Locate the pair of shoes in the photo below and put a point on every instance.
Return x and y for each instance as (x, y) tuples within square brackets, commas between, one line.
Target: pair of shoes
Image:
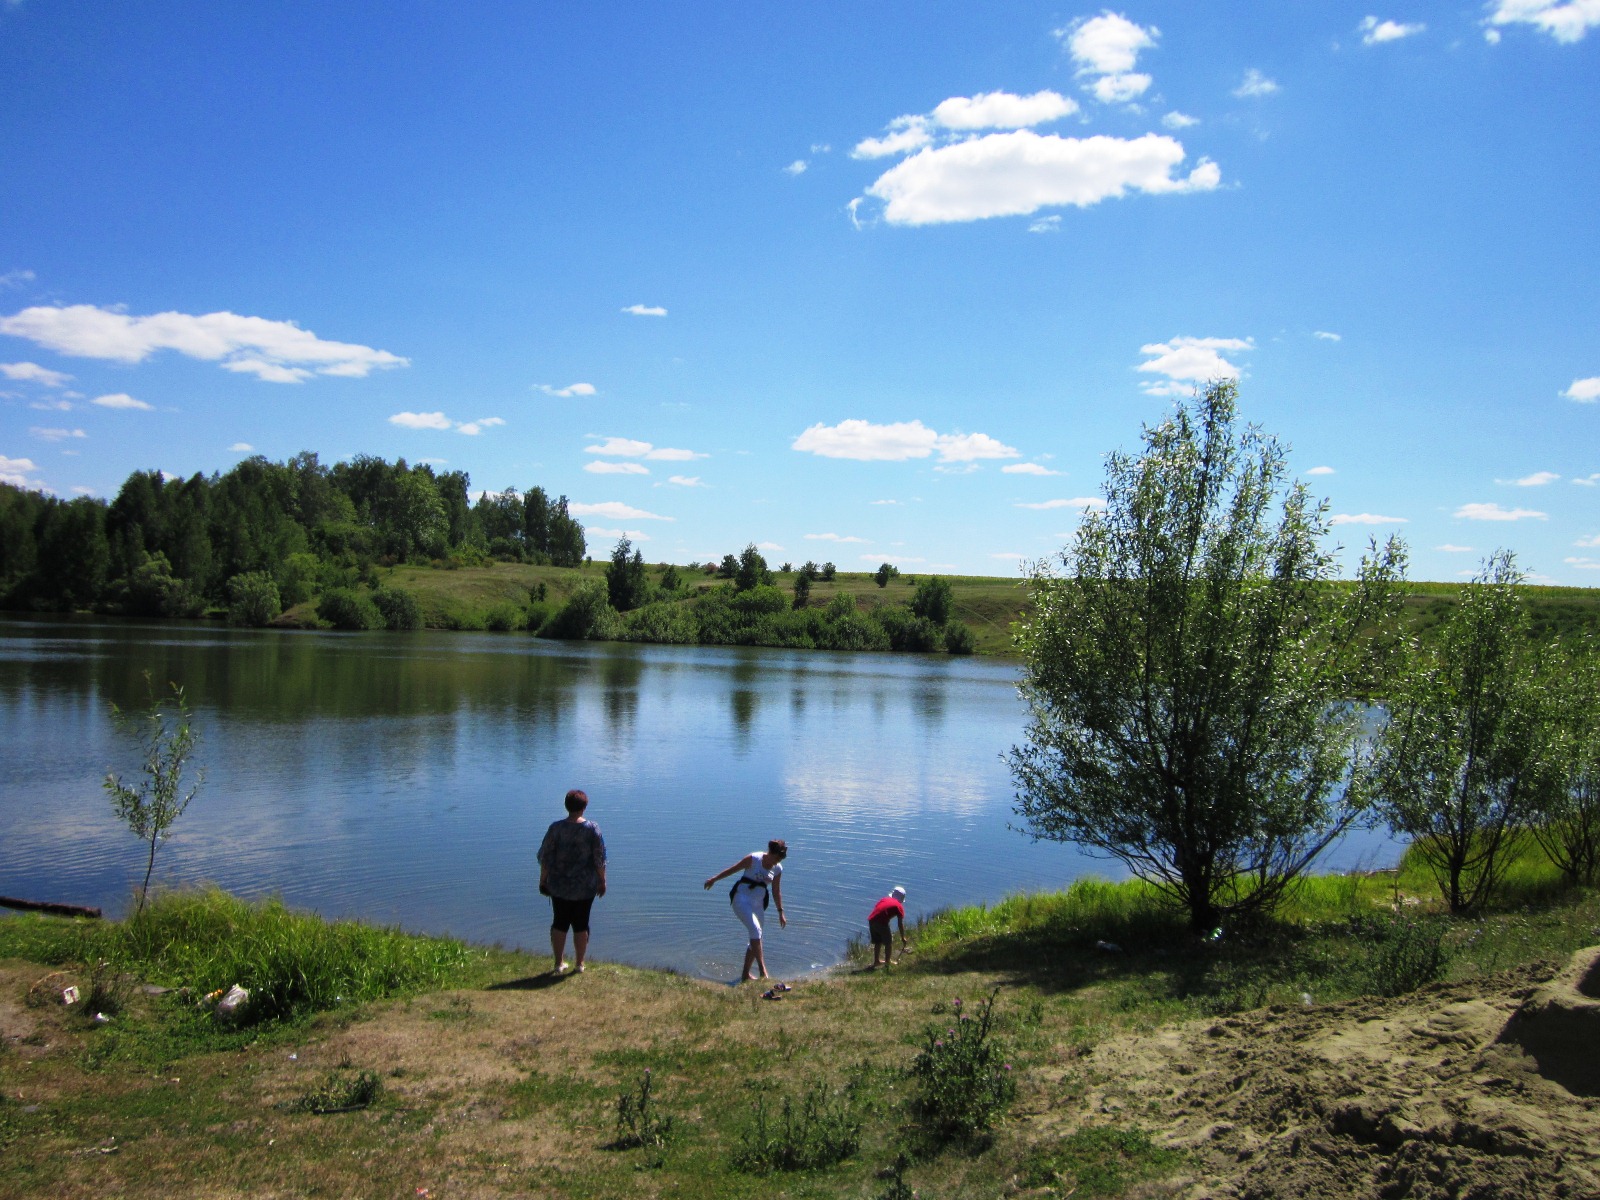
[(560, 969), (783, 987), (578, 970), (772, 993)]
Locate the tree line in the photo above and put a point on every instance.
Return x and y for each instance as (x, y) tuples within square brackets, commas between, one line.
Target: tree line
[(1191, 676), (170, 547)]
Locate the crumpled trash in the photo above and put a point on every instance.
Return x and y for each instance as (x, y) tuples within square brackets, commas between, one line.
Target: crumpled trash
[(69, 995), (101, 1019), (235, 999), (1108, 947)]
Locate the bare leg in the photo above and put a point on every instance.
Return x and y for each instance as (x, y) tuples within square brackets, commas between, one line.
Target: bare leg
[(558, 947), (751, 952), (580, 943), (761, 958)]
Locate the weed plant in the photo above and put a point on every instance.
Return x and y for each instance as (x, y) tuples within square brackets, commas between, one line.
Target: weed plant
[(963, 1081), (1407, 952), (1100, 1161), (340, 1092), (818, 1130), (641, 1123)]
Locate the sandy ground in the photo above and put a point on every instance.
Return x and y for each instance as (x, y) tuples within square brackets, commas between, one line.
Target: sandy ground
[(1485, 1089)]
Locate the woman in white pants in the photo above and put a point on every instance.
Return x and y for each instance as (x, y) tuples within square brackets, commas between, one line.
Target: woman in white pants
[(757, 873)]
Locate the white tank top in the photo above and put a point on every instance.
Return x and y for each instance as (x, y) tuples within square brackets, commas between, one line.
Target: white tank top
[(756, 873)]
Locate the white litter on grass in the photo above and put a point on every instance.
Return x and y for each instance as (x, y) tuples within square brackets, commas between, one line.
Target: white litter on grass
[(1108, 947)]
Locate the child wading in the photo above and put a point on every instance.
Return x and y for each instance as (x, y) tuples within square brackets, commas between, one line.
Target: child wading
[(892, 906)]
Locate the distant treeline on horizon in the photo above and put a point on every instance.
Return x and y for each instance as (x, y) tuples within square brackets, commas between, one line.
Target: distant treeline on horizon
[(168, 547)]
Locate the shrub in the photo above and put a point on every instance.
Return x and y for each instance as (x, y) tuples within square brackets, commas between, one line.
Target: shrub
[(399, 608), (958, 638), (905, 631), (1409, 954), (1100, 1161), (297, 577), (828, 570), (586, 614), (962, 1080), (345, 608), (932, 600), (817, 1131), (641, 1124), (665, 622), (504, 617), (340, 1093), (151, 590), (253, 599)]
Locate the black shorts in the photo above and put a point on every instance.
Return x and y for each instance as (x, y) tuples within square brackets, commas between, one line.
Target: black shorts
[(879, 931), (570, 914)]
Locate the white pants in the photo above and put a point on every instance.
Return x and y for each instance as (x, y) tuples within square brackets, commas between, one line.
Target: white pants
[(747, 907)]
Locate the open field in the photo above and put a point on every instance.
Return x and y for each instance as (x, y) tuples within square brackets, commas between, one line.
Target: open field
[(1308, 1057)]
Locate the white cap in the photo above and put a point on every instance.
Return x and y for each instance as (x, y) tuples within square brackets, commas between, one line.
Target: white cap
[(899, 893)]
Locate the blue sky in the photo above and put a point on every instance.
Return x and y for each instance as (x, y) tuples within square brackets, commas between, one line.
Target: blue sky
[(853, 282)]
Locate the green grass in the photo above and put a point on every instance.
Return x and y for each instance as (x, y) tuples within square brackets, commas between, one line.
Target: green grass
[(1100, 1161)]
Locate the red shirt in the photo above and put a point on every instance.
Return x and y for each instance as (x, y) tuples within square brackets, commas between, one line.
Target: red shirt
[(886, 908)]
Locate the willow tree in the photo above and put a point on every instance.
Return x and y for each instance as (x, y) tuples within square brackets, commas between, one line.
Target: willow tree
[(1189, 663)]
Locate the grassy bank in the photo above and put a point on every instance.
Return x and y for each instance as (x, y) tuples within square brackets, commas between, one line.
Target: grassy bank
[(384, 1064)]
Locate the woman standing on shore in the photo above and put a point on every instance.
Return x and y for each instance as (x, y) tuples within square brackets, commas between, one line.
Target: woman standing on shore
[(757, 873)]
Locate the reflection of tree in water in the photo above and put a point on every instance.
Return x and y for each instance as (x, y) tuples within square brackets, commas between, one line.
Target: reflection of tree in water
[(744, 702), (619, 689), (930, 703)]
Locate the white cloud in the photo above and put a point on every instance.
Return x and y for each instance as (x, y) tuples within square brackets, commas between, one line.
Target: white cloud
[(276, 351), (768, 546), (891, 558), (604, 467), (1013, 174), (797, 167), (1537, 479), (895, 501), (1106, 49), (28, 372), (1190, 359), (474, 428), (1051, 224), (1584, 391), (1178, 120), (1365, 519), (616, 510), (52, 404), (242, 448), (1583, 564), (833, 537), (16, 278), (646, 310), (1326, 336), (414, 420), (897, 442), (1374, 31), (122, 400), (1588, 480), (1003, 110), (1255, 84), (616, 447), (1011, 554), (1564, 20), (905, 134), (15, 471), (571, 390), (690, 481), (1589, 542), (1493, 512), (56, 435), (633, 535), (1321, 471), (1448, 548), (1083, 502), (1027, 469)]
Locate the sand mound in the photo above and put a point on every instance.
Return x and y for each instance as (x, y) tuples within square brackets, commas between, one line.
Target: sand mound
[(1466, 1091)]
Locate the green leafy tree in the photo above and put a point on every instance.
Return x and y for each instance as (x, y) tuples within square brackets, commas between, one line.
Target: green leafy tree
[(399, 608), (828, 571), (811, 571), (670, 580), (1568, 828), (1465, 758), (932, 600), (1187, 671), (627, 586), (253, 599), (884, 573), (802, 590), (752, 572), (729, 568), (167, 740), (786, 568), (346, 608)]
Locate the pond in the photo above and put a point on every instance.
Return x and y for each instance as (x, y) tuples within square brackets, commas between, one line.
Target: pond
[(408, 778)]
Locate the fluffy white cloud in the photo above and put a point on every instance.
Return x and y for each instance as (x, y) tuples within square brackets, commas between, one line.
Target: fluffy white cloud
[(897, 442), (895, 501), (1584, 391), (1083, 502), (474, 428), (905, 135), (276, 351), (55, 435), (1325, 336), (15, 471), (1255, 84), (605, 467), (1365, 519), (1537, 479), (1493, 512), (646, 310), (415, 420), (1002, 110), (615, 447), (1011, 554), (1051, 224), (242, 448), (633, 535), (1589, 542), (1178, 120), (1012, 174), (1106, 49), (16, 278), (52, 404), (28, 372), (615, 510), (832, 537), (1320, 471), (1190, 360), (1374, 31), (1448, 548), (1027, 469), (768, 546), (1583, 564), (685, 481), (1564, 20), (896, 559), (797, 167), (122, 400), (566, 393), (1588, 480)]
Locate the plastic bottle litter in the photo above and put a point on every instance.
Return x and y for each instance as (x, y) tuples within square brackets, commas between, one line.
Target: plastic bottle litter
[(236, 998), (69, 995), (1108, 947), (101, 1019), (1305, 998)]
